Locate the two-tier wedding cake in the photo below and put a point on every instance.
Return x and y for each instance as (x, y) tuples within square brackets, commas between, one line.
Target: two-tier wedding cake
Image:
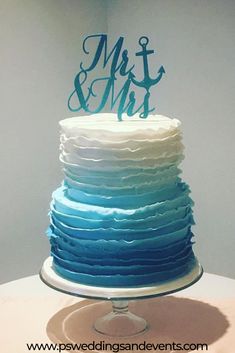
[(122, 216)]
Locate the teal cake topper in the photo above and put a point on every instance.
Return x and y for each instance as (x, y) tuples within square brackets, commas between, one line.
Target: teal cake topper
[(117, 64)]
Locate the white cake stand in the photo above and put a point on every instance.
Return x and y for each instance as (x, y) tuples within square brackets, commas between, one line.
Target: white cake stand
[(120, 321)]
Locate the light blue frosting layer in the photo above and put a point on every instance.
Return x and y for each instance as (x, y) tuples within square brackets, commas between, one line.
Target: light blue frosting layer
[(122, 216)]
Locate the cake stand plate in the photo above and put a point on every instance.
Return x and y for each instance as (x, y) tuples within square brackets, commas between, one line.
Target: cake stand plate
[(120, 322), (52, 279)]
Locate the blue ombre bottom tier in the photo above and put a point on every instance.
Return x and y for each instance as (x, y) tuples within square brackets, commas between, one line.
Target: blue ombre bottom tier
[(111, 246)]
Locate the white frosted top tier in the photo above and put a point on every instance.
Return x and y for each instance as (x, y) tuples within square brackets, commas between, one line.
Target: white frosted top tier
[(155, 126)]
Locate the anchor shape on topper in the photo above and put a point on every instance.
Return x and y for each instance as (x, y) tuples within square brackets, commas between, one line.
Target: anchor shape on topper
[(147, 81), (119, 62)]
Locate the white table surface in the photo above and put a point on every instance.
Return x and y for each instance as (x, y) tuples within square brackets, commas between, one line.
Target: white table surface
[(33, 312)]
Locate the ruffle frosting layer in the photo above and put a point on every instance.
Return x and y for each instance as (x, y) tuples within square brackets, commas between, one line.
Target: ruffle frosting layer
[(122, 216)]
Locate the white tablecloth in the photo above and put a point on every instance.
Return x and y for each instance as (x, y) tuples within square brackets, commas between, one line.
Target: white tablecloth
[(31, 312)]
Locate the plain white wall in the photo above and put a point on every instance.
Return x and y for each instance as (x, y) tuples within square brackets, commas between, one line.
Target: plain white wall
[(40, 44), (194, 40)]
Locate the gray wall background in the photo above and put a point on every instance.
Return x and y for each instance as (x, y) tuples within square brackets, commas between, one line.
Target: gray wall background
[(40, 43)]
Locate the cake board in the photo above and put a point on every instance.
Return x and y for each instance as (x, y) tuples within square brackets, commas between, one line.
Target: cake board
[(120, 321)]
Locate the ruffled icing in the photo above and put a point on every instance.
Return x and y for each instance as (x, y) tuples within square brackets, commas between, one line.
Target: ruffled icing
[(122, 216)]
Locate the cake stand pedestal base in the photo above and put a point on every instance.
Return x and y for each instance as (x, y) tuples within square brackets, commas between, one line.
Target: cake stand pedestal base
[(120, 322)]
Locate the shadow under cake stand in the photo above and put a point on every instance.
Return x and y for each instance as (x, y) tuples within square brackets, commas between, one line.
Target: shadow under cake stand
[(120, 321)]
